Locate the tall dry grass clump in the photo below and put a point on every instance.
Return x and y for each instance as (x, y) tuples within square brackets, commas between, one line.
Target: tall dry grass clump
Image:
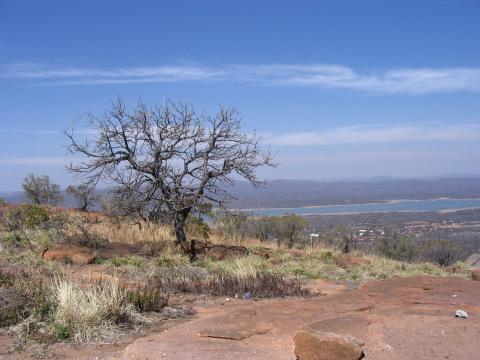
[(240, 268), (133, 233), (86, 313)]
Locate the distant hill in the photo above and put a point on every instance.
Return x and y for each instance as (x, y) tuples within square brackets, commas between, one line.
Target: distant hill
[(297, 193)]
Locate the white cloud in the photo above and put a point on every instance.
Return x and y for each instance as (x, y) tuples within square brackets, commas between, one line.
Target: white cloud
[(394, 81), (377, 134)]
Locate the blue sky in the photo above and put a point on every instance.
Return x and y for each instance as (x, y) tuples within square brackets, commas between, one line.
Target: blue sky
[(340, 89)]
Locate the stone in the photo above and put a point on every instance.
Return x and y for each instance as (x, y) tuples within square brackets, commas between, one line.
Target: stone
[(326, 346), (461, 314)]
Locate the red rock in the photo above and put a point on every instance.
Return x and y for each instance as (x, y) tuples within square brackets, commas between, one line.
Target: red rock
[(347, 261), (71, 254), (326, 346)]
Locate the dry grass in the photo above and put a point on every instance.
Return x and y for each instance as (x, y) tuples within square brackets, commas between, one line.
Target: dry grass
[(240, 268), (132, 233), (90, 312), (194, 280), (320, 264)]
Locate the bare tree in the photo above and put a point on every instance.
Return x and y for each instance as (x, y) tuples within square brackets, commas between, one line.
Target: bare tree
[(441, 252), (84, 195), (169, 158), (39, 190)]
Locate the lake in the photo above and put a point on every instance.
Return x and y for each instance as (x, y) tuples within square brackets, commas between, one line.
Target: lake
[(391, 206)]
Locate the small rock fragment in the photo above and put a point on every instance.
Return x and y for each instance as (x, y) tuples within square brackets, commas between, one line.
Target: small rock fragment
[(461, 314)]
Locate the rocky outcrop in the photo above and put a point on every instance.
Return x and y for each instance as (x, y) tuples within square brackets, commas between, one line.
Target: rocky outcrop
[(326, 346), (346, 261), (82, 255), (71, 254)]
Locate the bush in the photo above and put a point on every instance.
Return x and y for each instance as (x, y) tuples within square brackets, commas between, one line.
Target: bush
[(148, 299), (289, 229), (22, 295), (232, 226), (12, 239), (197, 227), (26, 217), (39, 190), (134, 261), (441, 252), (397, 247)]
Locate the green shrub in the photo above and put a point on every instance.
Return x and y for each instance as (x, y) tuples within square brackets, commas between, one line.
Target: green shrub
[(395, 246), (13, 239), (197, 228), (26, 217), (148, 299), (62, 332), (134, 261)]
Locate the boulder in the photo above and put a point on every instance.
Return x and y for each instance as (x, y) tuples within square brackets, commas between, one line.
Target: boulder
[(346, 261), (70, 254), (326, 346)]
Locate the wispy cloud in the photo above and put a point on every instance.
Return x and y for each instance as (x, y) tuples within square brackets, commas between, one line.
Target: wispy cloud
[(377, 134), (37, 161), (393, 81)]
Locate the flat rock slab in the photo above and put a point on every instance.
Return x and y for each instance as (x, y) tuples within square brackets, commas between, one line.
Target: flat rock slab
[(82, 255), (235, 325), (326, 346), (396, 319), (78, 255)]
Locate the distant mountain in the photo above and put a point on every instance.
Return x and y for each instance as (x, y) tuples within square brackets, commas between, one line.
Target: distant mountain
[(297, 193)]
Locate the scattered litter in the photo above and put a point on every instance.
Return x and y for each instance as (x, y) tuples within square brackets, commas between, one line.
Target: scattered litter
[(247, 296), (454, 295), (461, 314), (227, 299)]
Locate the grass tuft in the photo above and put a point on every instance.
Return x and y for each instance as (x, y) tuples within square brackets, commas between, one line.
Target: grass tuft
[(90, 312)]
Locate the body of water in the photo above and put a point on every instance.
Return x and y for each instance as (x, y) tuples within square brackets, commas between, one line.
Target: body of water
[(400, 205)]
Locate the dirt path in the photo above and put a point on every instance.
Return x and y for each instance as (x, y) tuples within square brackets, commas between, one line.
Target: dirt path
[(409, 318)]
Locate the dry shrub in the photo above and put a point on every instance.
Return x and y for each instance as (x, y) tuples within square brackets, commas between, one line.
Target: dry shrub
[(147, 299), (85, 313), (156, 247), (263, 285), (23, 294)]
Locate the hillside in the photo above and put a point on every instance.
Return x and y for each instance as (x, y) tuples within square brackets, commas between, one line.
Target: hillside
[(298, 193)]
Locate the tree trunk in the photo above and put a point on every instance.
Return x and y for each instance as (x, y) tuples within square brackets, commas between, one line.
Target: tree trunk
[(180, 219)]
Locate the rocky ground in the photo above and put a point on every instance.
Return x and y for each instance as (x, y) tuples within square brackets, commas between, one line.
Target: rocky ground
[(401, 318), (408, 318)]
